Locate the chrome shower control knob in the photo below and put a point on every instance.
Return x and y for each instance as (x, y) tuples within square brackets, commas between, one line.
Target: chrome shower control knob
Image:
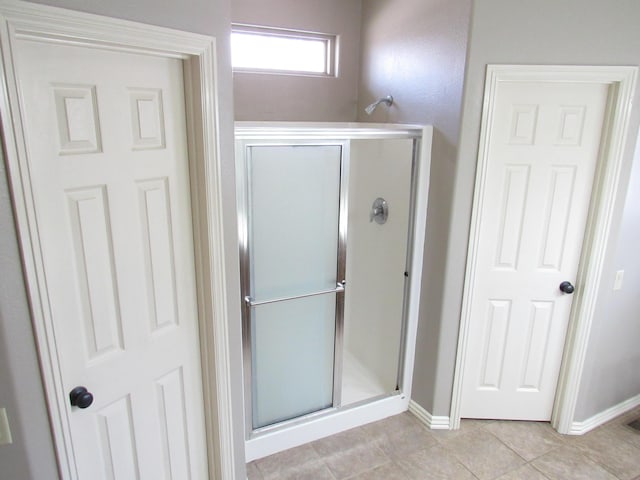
[(379, 211)]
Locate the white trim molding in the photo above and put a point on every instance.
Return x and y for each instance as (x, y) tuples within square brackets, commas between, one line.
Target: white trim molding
[(23, 20), (621, 81), (432, 422), (580, 428)]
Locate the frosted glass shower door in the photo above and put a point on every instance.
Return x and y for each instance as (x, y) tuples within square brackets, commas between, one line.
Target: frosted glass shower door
[(293, 205)]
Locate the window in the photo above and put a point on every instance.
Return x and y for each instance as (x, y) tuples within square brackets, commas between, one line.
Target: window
[(260, 49)]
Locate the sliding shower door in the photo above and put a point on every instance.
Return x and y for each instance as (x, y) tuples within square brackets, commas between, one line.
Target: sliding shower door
[(295, 290)]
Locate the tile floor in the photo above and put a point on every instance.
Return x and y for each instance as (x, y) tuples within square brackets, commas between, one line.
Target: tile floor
[(401, 448)]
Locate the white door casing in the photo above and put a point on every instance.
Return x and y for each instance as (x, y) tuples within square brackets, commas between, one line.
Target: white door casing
[(106, 136), (112, 239), (497, 286)]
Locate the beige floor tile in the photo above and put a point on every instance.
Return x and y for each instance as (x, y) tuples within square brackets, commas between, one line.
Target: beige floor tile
[(483, 454), (435, 463), (606, 447), (526, 472), (528, 439), (406, 441), (396, 423), (401, 448), (340, 441), (388, 471), (253, 473), (375, 430), (275, 466), (355, 460), (409, 441), (309, 471), (567, 463), (380, 431), (626, 433)]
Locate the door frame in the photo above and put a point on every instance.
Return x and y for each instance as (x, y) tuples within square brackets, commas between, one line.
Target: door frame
[(621, 81), (27, 21)]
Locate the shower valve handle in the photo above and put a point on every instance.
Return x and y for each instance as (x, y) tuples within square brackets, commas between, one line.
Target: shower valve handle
[(379, 211)]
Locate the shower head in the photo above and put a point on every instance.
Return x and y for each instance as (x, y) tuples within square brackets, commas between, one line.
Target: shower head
[(371, 108)]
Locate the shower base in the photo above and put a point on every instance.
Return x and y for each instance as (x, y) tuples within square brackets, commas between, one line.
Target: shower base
[(359, 383)]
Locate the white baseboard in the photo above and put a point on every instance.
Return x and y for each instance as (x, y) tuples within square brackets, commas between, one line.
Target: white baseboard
[(580, 428), (432, 422)]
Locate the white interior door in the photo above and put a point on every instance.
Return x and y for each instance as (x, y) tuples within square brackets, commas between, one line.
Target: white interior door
[(107, 152), (543, 149)]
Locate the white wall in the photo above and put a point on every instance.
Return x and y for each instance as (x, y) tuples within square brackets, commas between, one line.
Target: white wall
[(415, 50), (301, 98), (31, 456)]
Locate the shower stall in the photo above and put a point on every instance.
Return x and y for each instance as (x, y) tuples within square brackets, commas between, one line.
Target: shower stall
[(332, 220)]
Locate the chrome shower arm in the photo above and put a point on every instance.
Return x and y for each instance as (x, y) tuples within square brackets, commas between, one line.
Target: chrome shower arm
[(388, 100)]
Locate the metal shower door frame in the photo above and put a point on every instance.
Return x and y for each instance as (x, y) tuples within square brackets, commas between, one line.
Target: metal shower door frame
[(243, 173)]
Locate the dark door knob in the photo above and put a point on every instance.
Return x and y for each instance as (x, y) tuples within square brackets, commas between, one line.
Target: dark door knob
[(566, 287), (80, 397)]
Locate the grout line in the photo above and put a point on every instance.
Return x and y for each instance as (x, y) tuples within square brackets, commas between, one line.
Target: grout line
[(445, 444), (537, 469), (500, 440)]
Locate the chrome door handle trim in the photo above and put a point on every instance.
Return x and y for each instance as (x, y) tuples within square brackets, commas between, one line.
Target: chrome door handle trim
[(253, 303)]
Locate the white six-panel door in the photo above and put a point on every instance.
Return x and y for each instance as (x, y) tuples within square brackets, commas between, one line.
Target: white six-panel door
[(106, 145), (543, 150)]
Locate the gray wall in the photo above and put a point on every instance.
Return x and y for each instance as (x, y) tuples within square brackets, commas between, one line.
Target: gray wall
[(301, 98), (415, 50), (611, 373), (580, 32), (31, 455)]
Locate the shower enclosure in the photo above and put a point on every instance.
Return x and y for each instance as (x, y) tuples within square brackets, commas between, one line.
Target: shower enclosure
[(331, 256)]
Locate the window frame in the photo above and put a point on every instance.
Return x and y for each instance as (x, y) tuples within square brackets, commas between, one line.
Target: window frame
[(330, 41)]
